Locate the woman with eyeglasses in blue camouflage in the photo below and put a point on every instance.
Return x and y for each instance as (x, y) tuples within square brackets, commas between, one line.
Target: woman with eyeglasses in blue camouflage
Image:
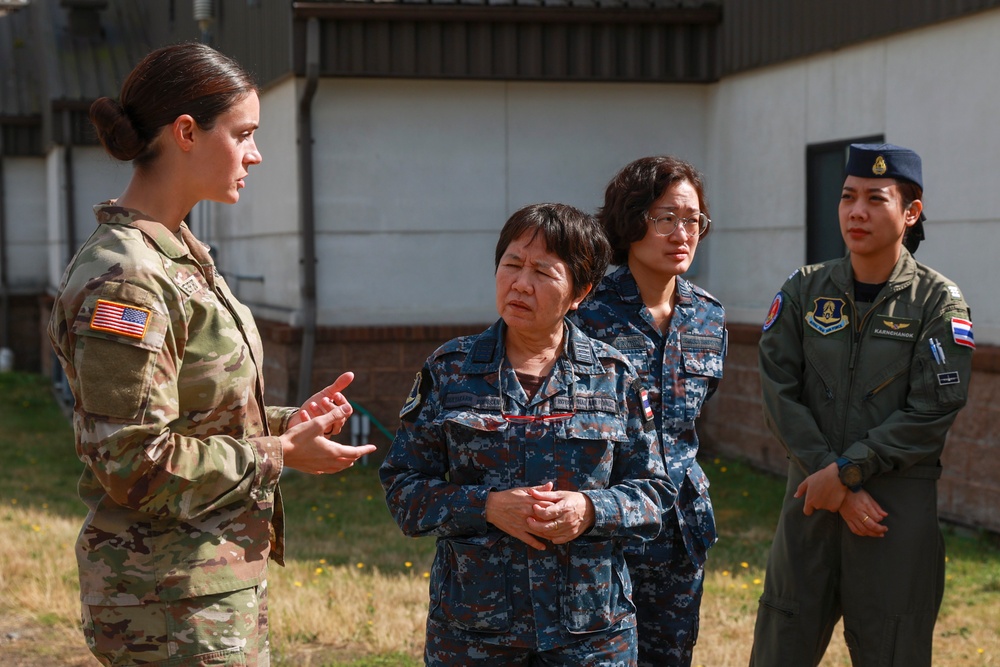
[(655, 215), (529, 453)]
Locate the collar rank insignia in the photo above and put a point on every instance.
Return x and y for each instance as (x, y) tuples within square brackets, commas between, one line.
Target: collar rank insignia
[(827, 315)]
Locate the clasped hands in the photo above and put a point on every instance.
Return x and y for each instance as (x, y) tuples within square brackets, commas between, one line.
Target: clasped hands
[(533, 512), (823, 490), (305, 445)]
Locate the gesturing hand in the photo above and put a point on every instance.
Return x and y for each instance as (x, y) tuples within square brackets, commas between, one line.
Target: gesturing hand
[(305, 446), (327, 400)]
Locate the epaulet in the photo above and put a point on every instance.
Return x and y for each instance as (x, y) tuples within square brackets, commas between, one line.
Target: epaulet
[(705, 294)]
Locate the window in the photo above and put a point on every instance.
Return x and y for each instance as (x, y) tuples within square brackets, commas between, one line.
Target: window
[(824, 180)]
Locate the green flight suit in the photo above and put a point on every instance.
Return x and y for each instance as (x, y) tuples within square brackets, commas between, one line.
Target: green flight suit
[(880, 387)]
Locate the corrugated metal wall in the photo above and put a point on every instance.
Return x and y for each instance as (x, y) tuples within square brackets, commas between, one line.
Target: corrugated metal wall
[(523, 51), (756, 33)]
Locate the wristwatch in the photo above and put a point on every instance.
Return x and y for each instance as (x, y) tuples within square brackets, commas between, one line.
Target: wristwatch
[(850, 474)]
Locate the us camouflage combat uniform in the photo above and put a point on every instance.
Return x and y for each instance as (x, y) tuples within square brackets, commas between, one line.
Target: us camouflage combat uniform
[(878, 384), (493, 596), (182, 463), (681, 370)]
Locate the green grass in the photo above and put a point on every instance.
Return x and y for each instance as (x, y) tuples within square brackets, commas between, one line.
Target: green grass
[(339, 524)]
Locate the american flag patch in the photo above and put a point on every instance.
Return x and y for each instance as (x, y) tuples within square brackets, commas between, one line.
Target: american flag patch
[(648, 411), (961, 332), (120, 319)]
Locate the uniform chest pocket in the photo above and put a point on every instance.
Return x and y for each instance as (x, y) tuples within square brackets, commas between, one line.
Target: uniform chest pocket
[(702, 357), (477, 451), (585, 449)]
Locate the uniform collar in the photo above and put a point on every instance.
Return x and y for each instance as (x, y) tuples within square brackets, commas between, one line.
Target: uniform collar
[(165, 241), (488, 351), (902, 274)]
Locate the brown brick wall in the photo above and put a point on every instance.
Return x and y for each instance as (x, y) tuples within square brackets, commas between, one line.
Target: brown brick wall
[(969, 490), (384, 360)]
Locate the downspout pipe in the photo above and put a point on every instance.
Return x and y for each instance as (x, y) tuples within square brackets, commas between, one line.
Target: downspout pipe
[(70, 191), (4, 254), (307, 211)]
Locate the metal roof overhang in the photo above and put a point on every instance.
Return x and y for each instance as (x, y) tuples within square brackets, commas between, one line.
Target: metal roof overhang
[(544, 43)]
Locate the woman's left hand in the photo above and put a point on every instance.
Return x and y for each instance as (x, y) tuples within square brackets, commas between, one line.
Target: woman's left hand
[(560, 516), (329, 399)]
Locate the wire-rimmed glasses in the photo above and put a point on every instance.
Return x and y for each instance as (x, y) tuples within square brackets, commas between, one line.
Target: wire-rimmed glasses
[(667, 224)]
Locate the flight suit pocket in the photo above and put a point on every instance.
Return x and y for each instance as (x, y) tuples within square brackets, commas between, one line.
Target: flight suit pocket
[(469, 585), (594, 593)]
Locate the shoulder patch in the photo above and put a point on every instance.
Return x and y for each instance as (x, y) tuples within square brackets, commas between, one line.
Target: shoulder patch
[(418, 394), (774, 311), (961, 332), (120, 318)]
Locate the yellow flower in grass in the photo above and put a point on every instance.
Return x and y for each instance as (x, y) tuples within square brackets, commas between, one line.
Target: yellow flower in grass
[(360, 565), (408, 564), (744, 565)]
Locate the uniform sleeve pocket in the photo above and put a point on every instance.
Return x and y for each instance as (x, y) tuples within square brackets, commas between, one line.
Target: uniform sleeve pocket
[(114, 377)]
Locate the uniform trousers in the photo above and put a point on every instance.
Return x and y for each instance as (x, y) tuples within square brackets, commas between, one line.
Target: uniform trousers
[(225, 630), (602, 649), (666, 590), (888, 589)]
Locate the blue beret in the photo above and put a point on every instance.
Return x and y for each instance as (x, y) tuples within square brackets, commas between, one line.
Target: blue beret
[(884, 161)]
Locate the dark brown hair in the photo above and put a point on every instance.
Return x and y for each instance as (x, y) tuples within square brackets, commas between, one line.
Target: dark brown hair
[(633, 190), (574, 237), (188, 78)]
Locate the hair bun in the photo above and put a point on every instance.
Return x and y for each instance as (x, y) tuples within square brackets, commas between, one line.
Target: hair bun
[(118, 135)]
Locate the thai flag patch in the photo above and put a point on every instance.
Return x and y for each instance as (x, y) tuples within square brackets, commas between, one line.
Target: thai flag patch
[(961, 332), (120, 319), (648, 411)]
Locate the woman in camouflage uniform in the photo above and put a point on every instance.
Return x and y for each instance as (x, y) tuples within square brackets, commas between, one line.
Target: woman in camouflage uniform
[(165, 366), (529, 452), (674, 333)]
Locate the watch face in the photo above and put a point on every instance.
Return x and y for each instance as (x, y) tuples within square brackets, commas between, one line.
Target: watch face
[(850, 475)]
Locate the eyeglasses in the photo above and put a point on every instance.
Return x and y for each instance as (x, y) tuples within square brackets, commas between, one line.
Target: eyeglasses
[(667, 224), (549, 418)]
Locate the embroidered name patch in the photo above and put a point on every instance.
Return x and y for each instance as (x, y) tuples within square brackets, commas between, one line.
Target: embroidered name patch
[(120, 318), (827, 315), (898, 328), (635, 342)]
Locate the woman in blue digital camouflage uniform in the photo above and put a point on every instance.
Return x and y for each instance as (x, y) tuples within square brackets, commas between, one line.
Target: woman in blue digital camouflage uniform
[(529, 452), (165, 366), (674, 333)]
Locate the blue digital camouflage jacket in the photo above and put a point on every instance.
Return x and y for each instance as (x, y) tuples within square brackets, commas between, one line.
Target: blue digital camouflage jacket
[(453, 448), (681, 370)]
